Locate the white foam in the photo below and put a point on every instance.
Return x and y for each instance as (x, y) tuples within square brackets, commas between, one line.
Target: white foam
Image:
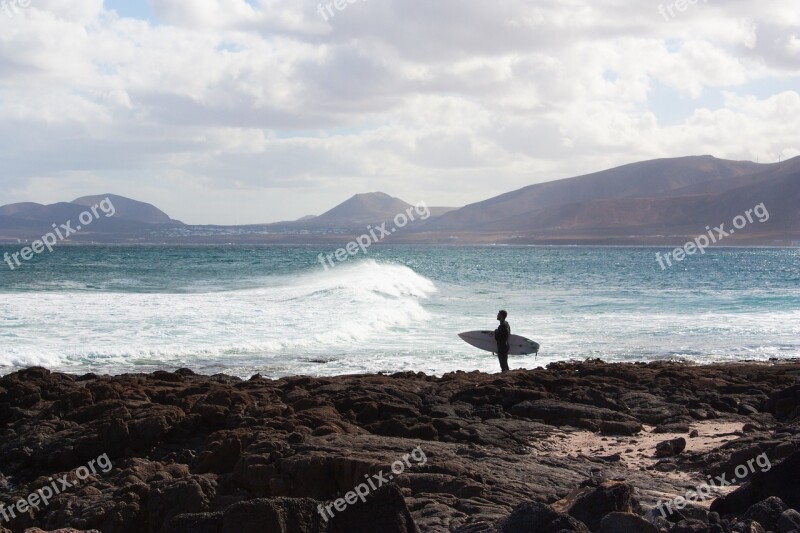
[(317, 312)]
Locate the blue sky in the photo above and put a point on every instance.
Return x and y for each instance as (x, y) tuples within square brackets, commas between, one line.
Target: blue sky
[(138, 9)]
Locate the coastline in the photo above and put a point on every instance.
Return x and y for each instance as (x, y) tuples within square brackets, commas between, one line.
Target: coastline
[(217, 453)]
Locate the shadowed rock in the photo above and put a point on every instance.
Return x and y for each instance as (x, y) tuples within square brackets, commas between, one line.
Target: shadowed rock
[(204, 453)]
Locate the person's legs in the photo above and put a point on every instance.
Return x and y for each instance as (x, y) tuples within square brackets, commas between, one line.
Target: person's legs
[(503, 361)]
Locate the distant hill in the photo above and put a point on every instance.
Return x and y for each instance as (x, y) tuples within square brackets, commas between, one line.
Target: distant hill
[(690, 209), (127, 209), (654, 199), (31, 220), (657, 178), (664, 201), (363, 209)]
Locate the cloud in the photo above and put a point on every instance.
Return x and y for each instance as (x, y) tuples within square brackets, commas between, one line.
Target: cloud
[(254, 101)]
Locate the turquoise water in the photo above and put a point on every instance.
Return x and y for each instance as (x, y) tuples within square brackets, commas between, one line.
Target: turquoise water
[(277, 311)]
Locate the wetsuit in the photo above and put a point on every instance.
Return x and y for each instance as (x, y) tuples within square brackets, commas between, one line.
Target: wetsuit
[(501, 335)]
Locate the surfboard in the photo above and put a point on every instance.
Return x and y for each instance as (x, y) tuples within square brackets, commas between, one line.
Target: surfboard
[(485, 341)]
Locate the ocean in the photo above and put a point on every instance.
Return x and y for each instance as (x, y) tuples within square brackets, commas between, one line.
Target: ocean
[(275, 311)]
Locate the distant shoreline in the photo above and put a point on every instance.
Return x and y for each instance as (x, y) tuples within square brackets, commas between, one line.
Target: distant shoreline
[(463, 244)]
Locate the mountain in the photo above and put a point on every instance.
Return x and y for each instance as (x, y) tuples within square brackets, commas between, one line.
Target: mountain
[(127, 209), (362, 210), (653, 202), (648, 179), (130, 217), (658, 202)]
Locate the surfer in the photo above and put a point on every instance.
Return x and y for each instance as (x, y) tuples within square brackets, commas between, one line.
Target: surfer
[(501, 335)]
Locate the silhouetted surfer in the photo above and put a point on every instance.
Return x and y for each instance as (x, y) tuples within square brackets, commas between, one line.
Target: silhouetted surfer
[(501, 335)]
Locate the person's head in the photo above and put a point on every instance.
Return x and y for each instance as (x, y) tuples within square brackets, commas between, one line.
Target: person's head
[(501, 315)]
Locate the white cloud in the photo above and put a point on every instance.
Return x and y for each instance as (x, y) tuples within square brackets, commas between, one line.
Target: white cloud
[(223, 106)]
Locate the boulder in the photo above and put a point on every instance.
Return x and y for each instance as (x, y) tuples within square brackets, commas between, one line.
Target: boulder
[(541, 518), (611, 427), (385, 511), (781, 480), (196, 523), (625, 523), (690, 526), (766, 512), (670, 448), (593, 503), (278, 515), (789, 521), (559, 413)]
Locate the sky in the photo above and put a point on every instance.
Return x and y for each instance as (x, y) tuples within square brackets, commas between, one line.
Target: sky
[(239, 112)]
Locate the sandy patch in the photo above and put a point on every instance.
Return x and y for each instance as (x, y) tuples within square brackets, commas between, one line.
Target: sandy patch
[(638, 452)]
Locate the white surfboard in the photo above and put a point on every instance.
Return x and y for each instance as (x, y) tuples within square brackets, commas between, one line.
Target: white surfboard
[(485, 341)]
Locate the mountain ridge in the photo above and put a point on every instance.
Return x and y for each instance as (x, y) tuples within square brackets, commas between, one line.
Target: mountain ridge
[(639, 203)]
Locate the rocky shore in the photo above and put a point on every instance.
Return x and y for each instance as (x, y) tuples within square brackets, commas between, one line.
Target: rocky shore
[(576, 447)]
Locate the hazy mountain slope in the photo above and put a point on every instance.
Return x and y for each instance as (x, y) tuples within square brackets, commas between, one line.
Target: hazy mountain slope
[(363, 209), (645, 179), (763, 172), (778, 187), (127, 209), (32, 220)]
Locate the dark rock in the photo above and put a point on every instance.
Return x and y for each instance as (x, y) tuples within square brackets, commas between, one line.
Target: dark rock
[(766, 512), (169, 498), (783, 450), (384, 511), (785, 404), (281, 515), (670, 448), (191, 452), (562, 413), (690, 526), (742, 456), (592, 504), (781, 480), (672, 428), (747, 526), (488, 412), (747, 410), (196, 523), (789, 521), (625, 523), (620, 428), (541, 518)]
